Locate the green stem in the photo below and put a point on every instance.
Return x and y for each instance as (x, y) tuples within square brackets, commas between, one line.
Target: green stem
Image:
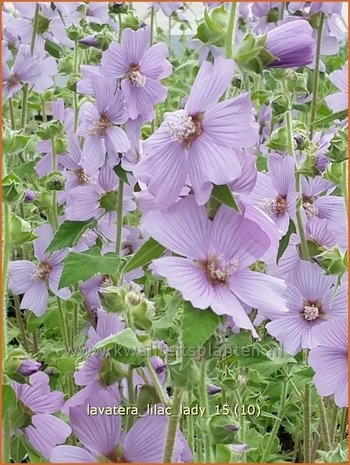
[(307, 424), (35, 27), (118, 241), (231, 30), (75, 70), (277, 423), (324, 425), (120, 22), (54, 193), (343, 423), (190, 429), (20, 323), (43, 108), (6, 253), (203, 394), (316, 73), (131, 396), (63, 325), (156, 383), (172, 425), (24, 106), (12, 114), (344, 185), (35, 342), (333, 423), (283, 7), (151, 27), (304, 248), (6, 440)]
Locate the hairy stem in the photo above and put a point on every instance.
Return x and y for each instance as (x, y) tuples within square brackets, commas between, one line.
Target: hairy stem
[(304, 248), (307, 424), (118, 241), (151, 27), (231, 30), (276, 424), (203, 394), (156, 383), (173, 422), (324, 425), (316, 73), (63, 325), (12, 114)]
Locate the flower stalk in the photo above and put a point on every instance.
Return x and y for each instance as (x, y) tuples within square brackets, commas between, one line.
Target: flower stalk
[(231, 30), (307, 424), (173, 422)]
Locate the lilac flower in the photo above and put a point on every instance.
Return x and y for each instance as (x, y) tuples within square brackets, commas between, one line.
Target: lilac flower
[(215, 272), (95, 200), (45, 430), (311, 303), (29, 367), (142, 69), (199, 142), (339, 100), (292, 44), (98, 125), (274, 193), (102, 435), (329, 207), (33, 281), (213, 389), (167, 8), (327, 8), (330, 361)]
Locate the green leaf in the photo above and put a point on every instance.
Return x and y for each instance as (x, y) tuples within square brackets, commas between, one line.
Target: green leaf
[(69, 233), (197, 325), (9, 398), (83, 266), (150, 250), (53, 49), (121, 173), (21, 231), (224, 195), (285, 240), (126, 347)]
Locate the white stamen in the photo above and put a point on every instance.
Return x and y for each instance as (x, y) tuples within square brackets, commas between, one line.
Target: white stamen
[(311, 209), (181, 127), (268, 206), (218, 269), (137, 79), (42, 271), (100, 127), (310, 312)]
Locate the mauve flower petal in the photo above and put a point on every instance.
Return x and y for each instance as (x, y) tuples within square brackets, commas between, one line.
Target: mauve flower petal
[(211, 82), (83, 203), (71, 454), (281, 171), (288, 331), (152, 64), (217, 123), (116, 141), (89, 371), (93, 156), (226, 303), (45, 233), (311, 281), (337, 102), (237, 237), (36, 298), (183, 228), (188, 278), (44, 166), (54, 280), (263, 189), (104, 90), (114, 61), (258, 290), (99, 433), (340, 78), (20, 272), (339, 303), (135, 44)]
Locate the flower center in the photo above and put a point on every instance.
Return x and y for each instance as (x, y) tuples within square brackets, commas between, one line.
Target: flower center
[(12, 80), (184, 128), (311, 311), (100, 127), (42, 272), (136, 78), (218, 269), (310, 207), (273, 206), (83, 178)]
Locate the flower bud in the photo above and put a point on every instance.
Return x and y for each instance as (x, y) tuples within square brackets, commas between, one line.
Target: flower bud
[(12, 189)]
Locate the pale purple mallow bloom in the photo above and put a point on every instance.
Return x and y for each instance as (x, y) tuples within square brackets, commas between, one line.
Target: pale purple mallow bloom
[(320, 144), (262, 15), (311, 303), (214, 268), (86, 241), (90, 290), (318, 232), (84, 202), (199, 142), (292, 44), (84, 86), (27, 70), (329, 207), (98, 124), (330, 361), (103, 435), (34, 281), (246, 182), (339, 100), (167, 8), (328, 8), (28, 367), (54, 29), (213, 389), (141, 68), (45, 430), (274, 193)]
